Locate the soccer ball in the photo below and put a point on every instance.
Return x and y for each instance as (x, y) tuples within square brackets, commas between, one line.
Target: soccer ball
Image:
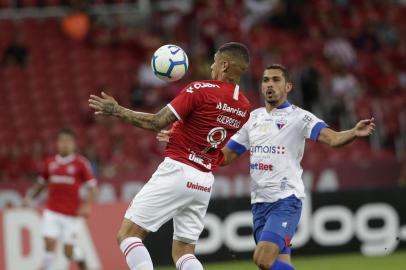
[(169, 63)]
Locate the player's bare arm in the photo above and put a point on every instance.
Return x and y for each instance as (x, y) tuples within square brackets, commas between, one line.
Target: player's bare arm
[(86, 206), (363, 128), (107, 105), (229, 156), (38, 187)]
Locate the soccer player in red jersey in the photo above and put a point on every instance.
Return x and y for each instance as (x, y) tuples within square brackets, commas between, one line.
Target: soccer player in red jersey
[(63, 174), (206, 114)]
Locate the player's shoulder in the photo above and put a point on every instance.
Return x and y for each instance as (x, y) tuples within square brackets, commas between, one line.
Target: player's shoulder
[(81, 159), (257, 111)]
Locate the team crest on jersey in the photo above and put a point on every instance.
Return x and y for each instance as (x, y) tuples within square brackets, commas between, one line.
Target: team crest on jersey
[(281, 123), (71, 169)]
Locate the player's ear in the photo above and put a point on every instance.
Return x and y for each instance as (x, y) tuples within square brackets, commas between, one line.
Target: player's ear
[(224, 66), (289, 87)]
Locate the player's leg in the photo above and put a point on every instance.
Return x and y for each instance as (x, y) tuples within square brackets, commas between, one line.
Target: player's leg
[(73, 253), (70, 226), (49, 256), (285, 257), (189, 222), (130, 237), (275, 238), (50, 232), (156, 203)]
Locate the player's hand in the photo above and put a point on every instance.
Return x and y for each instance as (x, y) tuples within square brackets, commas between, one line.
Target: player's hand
[(84, 210), (27, 202), (105, 104), (364, 127), (163, 135)]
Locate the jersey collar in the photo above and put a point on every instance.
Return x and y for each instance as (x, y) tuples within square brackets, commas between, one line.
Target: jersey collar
[(65, 160), (285, 104)]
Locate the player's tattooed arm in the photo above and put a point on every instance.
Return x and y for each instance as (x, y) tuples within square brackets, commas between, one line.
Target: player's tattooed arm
[(107, 105)]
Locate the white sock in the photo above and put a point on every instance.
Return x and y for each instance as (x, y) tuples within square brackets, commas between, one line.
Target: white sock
[(188, 262), (136, 254), (48, 261), (78, 255)]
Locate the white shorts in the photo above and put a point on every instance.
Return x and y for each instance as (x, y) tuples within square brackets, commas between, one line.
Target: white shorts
[(177, 191), (61, 227)]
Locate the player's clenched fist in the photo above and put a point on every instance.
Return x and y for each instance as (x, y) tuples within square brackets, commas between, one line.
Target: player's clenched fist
[(105, 104)]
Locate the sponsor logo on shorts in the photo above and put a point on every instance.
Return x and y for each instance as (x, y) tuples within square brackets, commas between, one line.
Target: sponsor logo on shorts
[(261, 166), (198, 187)]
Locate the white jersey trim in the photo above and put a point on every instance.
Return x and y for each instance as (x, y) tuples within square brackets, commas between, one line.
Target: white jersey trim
[(174, 111), (236, 92)]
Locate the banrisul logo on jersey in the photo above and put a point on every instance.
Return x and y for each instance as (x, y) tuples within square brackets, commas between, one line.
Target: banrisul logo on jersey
[(226, 108), (268, 149)]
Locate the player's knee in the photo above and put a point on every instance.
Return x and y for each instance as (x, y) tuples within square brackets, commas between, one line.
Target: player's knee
[(265, 257), (121, 235), (68, 253)]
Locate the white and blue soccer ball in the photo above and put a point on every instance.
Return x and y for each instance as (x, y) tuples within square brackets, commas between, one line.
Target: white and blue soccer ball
[(169, 63)]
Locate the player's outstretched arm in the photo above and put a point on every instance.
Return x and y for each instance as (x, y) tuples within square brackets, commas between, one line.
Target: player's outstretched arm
[(363, 128), (86, 206), (33, 192), (107, 105), (229, 156)]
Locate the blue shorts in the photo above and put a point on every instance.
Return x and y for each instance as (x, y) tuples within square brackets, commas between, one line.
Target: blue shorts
[(277, 222)]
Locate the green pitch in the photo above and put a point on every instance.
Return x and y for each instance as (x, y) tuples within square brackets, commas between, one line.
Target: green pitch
[(396, 261)]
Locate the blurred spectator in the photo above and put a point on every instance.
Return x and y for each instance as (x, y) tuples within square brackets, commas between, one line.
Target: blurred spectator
[(76, 24), (257, 11), (367, 39), (16, 53), (338, 50), (137, 93), (387, 28), (402, 177), (309, 83), (287, 15), (344, 91), (94, 159)]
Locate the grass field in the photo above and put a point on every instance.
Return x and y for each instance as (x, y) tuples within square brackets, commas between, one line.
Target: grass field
[(396, 261)]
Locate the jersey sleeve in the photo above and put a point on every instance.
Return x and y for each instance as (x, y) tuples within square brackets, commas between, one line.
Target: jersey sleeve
[(239, 142), (185, 102), (312, 126), (87, 174)]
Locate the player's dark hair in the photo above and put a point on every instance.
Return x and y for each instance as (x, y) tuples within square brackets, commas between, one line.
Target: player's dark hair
[(236, 49), (282, 68), (66, 131)]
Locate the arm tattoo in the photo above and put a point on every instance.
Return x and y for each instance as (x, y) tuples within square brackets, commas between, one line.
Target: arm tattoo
[(149, 121)]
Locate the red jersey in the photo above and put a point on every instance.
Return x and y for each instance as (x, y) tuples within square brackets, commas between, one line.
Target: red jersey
[(209, 113), (64, 176)]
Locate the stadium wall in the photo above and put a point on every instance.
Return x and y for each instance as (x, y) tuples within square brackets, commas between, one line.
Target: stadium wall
[(370, 222), (234, 181)]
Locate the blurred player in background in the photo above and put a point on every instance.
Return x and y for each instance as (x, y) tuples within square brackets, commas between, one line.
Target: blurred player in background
[(63, 175), (275, 135), (207, 114)]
